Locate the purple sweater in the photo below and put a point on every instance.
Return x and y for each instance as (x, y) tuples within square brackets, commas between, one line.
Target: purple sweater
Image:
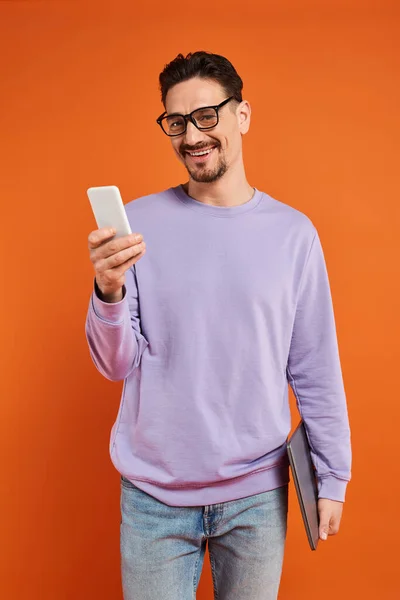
[(227, 307)]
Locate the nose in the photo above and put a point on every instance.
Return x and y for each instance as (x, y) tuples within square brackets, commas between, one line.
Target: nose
[(193, 136)]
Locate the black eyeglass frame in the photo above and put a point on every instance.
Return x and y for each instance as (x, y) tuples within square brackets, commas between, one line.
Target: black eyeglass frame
[(189, 117)]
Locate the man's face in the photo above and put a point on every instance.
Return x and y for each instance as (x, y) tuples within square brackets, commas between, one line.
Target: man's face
[(223, 143)]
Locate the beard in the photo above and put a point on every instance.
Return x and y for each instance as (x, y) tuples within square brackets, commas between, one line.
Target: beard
[(204, 174)]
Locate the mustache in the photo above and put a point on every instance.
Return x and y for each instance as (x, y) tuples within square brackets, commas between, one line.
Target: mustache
[(185, 148)]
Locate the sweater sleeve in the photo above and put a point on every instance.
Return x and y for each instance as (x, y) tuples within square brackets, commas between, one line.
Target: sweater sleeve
[(113, 332), (315, 375)]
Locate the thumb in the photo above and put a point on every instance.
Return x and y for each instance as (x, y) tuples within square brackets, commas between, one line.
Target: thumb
[(324, 525)]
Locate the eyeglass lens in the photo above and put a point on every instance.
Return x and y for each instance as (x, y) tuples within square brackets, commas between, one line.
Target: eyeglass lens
[(204, 118)]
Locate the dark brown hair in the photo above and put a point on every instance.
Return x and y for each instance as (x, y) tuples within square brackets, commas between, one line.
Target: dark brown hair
[(205, 65)]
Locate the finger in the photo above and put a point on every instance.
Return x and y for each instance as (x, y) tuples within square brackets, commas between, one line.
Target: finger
[(118, 244), (128, 264), (324, 524), (334, 525), (116, 277), (115, 260), (99, 236)]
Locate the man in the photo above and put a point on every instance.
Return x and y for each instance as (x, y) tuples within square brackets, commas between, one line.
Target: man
[(207, 321)]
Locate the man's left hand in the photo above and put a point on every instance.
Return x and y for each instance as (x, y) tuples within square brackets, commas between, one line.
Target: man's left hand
[(330, 514)]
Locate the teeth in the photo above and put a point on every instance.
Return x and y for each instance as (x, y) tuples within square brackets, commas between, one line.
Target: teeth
[(202, 153)]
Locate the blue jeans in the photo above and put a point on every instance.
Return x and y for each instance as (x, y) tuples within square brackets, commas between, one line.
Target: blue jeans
[(162, 547)]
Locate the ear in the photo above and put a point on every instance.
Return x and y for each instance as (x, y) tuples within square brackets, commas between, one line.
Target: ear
[(243, 113)]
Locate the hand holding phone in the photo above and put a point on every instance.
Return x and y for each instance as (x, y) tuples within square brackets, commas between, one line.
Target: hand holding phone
[(113, 247)]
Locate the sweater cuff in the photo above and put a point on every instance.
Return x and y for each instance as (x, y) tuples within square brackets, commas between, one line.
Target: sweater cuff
[(332, 488), (112, 312)]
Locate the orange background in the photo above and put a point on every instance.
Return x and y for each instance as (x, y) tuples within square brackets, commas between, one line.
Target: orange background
[(78, 101)]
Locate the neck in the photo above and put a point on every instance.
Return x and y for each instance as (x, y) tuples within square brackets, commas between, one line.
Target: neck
[(231, 190)]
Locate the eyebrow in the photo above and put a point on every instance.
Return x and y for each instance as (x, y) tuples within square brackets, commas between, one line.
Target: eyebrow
[(176, 114)]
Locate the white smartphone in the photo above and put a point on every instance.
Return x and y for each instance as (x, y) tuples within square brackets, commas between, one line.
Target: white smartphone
[(108, 209)]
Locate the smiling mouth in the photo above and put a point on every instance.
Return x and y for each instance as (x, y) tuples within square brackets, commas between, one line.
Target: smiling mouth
[(201, 153)]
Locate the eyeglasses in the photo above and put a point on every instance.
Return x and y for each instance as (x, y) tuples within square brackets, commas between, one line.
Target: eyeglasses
[(202, 118)]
